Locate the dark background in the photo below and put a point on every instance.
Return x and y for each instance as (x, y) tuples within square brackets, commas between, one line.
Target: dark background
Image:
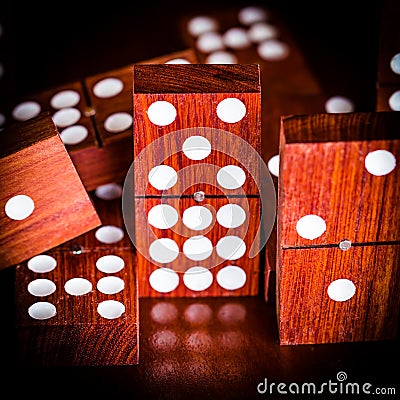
[(60, 42)]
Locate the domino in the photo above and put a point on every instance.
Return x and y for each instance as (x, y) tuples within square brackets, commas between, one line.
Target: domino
[(388, 65), (338, 245), (196, 175), (43, 200), (77, 304)]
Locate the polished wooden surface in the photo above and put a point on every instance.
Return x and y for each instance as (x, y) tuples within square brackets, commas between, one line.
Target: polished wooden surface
[(307, 315), (35, 163), (333, 181), (194, 348), (206, 349)]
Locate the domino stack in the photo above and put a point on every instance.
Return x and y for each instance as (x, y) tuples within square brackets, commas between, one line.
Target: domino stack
[(196, 195)]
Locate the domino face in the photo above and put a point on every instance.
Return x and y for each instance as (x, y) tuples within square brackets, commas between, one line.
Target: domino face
[(43, 199), (189, 163), (186, 271), (337, 245), (345, 181), (344, 296), (77, 304), (82, 312)]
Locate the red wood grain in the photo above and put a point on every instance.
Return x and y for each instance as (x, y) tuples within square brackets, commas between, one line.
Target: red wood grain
[(308, 316), (249, 232), (41, 168), (354, 204), (327, 177), (196, 114)]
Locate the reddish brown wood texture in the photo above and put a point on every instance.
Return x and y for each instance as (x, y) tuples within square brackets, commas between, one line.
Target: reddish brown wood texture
[(344, 127), (35, 163), (196, 113), (79, 345), (103, 156), (388, 81), (77, 335), (322, 172), (248, 232), (354, 204), (308, 315), (196, 78)]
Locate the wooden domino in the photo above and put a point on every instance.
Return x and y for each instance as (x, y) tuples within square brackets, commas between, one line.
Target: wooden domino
[(43, 200), (196, 166), (94, 119), (77, 304), (388, 65), (338, 242)]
